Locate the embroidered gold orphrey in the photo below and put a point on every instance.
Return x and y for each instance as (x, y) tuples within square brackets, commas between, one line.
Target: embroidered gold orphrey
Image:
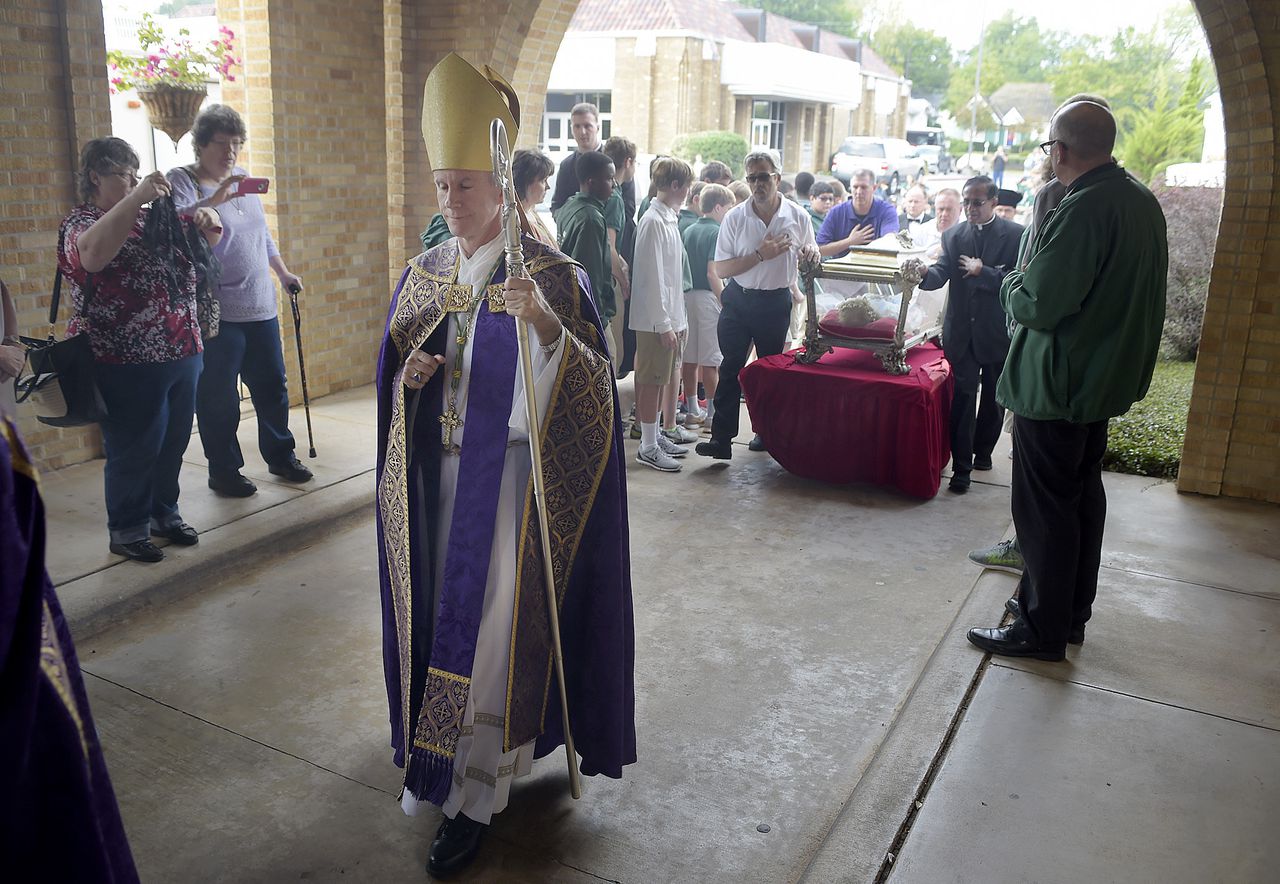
[(576, 437)]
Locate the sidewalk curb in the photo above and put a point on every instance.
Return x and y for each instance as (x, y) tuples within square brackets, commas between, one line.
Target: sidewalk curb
[(114, 595), (881, 800)]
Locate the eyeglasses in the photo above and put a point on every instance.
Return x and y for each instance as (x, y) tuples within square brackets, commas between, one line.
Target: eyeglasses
[(1047, 146), (823, 198), (759, 177), (127, 174), (974, 203)]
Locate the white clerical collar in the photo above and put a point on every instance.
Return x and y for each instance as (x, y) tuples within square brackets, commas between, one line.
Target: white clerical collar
[(983, 226), (476, 270)]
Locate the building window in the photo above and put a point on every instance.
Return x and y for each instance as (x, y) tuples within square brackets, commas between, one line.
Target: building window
[(556, 137), (768, 120)]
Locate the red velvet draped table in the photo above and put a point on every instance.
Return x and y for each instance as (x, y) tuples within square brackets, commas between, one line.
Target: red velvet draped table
[(844, 419)]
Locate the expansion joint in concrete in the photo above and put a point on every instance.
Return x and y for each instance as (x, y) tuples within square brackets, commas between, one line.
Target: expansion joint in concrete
[(922, 792)]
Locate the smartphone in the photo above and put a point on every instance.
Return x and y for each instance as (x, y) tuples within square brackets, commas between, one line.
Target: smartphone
[(253, 185)]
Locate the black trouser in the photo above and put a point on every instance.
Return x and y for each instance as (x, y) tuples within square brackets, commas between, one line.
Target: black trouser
[(972, 435), (759, 316), (1059, 508)]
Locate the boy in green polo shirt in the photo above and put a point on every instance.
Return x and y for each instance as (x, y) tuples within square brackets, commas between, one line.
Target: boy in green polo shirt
[(580, 226), (702, 302)]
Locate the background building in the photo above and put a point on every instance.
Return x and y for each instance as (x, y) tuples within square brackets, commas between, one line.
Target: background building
[(660, 70)]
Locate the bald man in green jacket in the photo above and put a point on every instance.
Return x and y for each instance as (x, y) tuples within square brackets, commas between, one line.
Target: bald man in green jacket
[(1089, 307)]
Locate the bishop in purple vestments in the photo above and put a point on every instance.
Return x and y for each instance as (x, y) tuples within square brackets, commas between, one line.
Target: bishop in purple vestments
[(467, 648)]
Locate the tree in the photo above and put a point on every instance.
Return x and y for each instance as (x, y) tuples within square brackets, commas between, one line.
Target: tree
[(921, 55), (1170, 132), (840, 16), (1014, 50)]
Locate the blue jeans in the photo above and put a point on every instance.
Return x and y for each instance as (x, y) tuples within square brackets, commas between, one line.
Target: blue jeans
[(145, 435), (252, 351)]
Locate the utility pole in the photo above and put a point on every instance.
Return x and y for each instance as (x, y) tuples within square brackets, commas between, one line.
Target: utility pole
[(977, 84)]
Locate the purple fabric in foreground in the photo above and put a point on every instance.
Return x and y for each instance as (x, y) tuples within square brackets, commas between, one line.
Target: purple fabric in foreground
[(58, 815)]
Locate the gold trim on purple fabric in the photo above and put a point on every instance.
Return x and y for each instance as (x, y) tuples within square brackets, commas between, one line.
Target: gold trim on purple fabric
[(53, 664), (440, 722), (419, 310), (576, 439)]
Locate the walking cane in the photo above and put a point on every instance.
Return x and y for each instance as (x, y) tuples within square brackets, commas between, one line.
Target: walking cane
[(516, 270), (302, 366)]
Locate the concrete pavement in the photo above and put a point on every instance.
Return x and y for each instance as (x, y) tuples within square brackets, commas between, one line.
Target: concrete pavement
[(801, 667)]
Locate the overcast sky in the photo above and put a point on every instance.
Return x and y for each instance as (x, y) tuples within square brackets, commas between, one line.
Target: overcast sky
[(961, 20)]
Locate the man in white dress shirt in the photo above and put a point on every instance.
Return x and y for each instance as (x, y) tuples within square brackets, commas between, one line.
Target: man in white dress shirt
[(757, 251)]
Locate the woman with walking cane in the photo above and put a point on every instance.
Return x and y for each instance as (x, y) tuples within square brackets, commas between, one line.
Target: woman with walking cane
[(467, 640), (248, 342)]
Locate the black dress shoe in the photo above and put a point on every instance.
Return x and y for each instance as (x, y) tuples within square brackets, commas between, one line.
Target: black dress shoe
[(757, 444), (1011, 605), (982, 463), (291, 470), (715, 448), (232, 485), (181, 534), (960, 483), (456, 845), (1013, 640), (139, 551)]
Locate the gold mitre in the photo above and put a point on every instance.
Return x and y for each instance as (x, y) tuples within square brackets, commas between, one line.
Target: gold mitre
[(458, 104)]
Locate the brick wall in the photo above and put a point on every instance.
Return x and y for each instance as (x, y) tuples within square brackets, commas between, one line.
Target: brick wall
[(1233, 433), (53, 71)]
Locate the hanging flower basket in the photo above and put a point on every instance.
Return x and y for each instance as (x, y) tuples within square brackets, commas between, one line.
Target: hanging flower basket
[(172, 109)]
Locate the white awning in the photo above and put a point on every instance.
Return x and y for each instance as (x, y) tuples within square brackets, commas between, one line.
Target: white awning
[(788, 73)]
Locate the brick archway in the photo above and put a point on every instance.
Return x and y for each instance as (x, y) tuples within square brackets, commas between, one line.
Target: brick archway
[(332, 97)]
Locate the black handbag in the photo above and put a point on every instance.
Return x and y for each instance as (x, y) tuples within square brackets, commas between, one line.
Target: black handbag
[(61, 383)]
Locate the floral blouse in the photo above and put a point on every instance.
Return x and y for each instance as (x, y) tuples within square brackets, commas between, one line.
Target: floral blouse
[(131, 319)]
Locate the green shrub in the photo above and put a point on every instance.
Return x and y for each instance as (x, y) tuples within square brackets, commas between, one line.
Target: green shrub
[(1192, 215), (729, 148), (1148, 440)]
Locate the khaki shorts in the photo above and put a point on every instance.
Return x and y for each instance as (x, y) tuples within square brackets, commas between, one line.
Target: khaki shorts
[(655, 364)]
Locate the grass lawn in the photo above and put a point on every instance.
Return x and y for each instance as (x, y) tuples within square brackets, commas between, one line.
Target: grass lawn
[(1148, 440)]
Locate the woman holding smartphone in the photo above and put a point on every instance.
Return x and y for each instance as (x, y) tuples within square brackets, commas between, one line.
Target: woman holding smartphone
[(248, 344)]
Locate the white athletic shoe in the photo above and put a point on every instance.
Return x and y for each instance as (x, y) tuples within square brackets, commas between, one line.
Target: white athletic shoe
[(680, 435), (669, 448), (658, 459)]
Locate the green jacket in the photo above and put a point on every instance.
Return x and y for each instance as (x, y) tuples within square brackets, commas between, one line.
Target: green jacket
[(1089, 306), (583, 237)]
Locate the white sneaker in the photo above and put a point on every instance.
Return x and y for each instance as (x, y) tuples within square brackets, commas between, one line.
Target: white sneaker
[(658, 459), (669, 448), (680, 435)]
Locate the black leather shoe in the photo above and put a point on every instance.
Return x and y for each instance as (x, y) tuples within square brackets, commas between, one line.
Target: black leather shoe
[(1011, 605), (181, 534), (456, 845), (715, 448), (232, 485), (139, 551), (757, 444), (960, 483), (1012, 641), (291, 470), (982, 463), (1076, 635)]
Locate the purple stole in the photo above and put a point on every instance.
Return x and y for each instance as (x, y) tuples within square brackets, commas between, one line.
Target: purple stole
[(460, 597)]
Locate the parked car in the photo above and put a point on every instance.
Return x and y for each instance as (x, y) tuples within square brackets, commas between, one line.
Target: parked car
[(935, 158), (893, 160)]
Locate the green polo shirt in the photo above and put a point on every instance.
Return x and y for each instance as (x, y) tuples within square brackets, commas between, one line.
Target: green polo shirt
[(580, 226), (700, 248)]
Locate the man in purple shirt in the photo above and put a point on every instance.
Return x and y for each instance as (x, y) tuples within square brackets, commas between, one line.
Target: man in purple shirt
[(858, 221)]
